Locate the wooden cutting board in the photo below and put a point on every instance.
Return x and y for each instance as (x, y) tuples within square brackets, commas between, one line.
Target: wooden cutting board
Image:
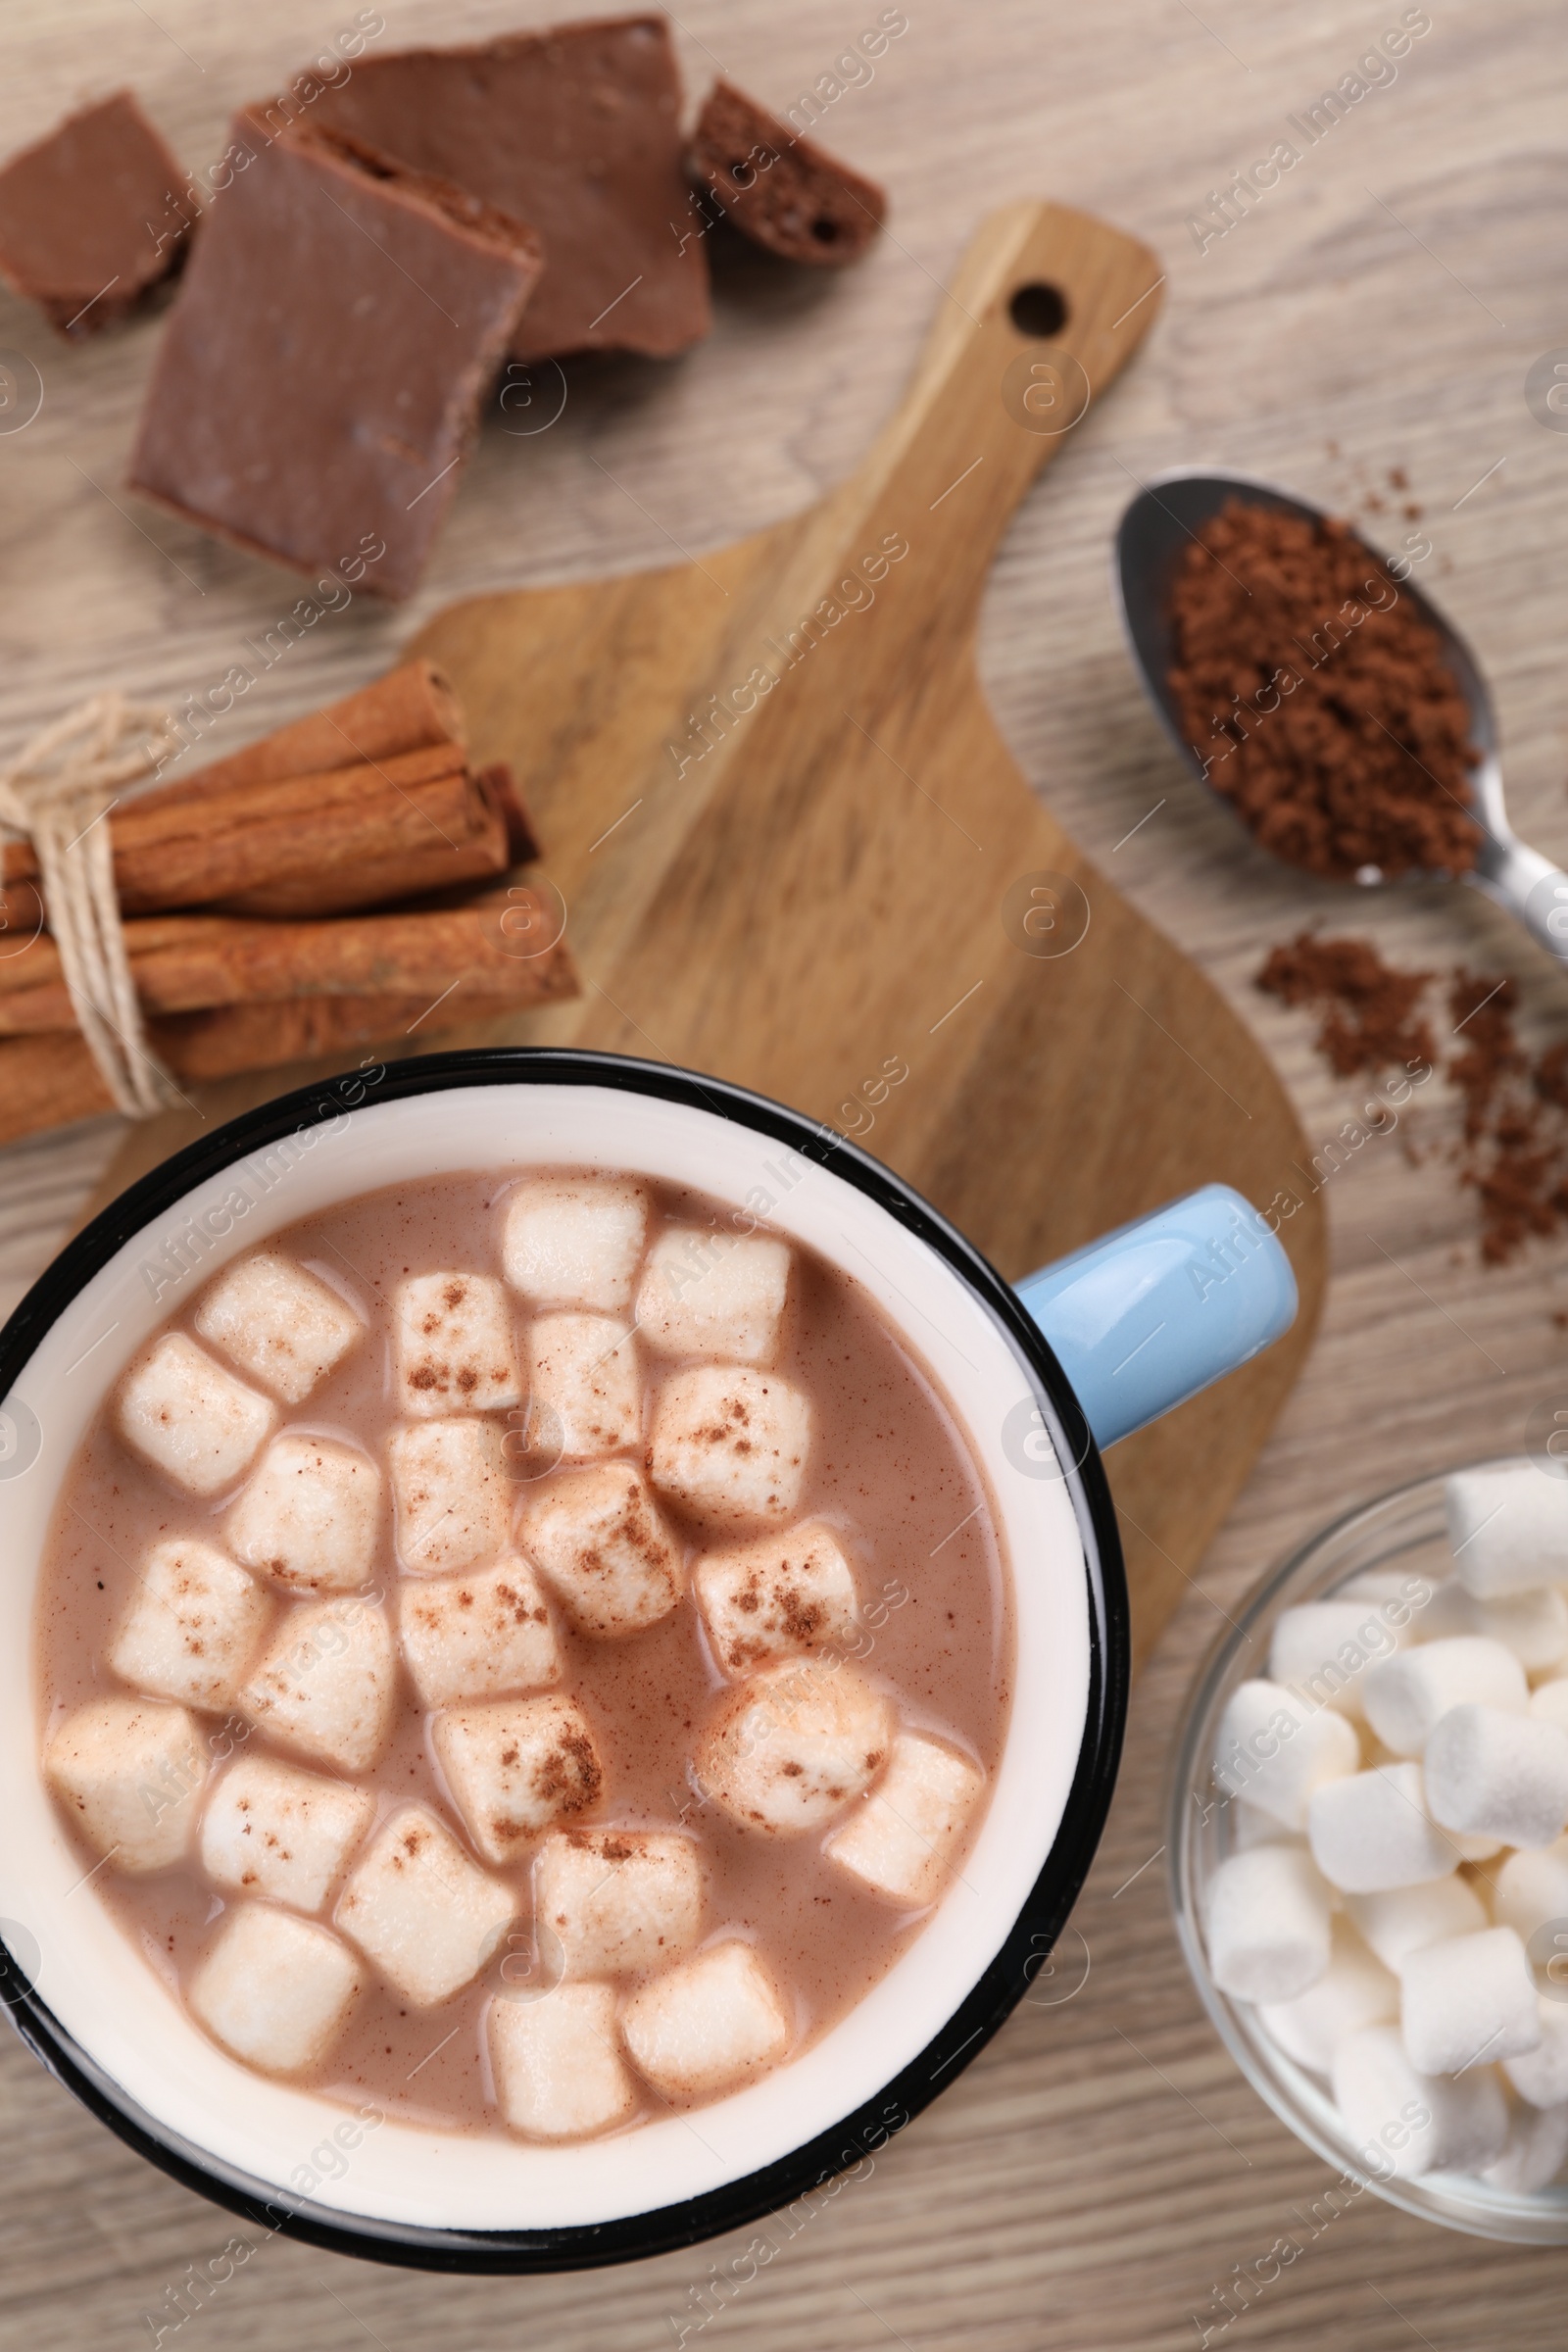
[(796, 852)]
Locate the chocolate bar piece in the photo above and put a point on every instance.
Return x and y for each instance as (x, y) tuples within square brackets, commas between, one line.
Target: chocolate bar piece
[(576, 130), (778, 188), (93, 216), (321, 374)]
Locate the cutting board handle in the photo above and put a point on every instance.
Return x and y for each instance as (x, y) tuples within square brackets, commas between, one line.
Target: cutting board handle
[(1044, 313)]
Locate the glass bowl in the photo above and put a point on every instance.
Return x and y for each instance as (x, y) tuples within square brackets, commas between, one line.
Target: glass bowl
[(1406, 1529)]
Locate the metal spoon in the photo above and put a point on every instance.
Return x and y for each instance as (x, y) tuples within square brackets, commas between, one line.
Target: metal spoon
[(1153, 535)]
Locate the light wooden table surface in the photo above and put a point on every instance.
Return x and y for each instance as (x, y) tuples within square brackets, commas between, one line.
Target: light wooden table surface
[(1101, 2169)]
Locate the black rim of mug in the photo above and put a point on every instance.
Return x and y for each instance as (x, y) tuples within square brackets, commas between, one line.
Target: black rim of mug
[(858, 2136)]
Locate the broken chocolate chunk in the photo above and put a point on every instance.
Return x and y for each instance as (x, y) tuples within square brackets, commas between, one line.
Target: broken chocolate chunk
[(319, 385), (778, 188), (93, 217), (576, 130)]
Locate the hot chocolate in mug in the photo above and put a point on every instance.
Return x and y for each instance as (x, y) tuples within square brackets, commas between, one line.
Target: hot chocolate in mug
[(1037, 1380)]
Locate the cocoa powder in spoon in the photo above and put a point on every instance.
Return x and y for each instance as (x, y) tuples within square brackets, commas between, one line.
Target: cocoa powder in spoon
[(1319, 702)]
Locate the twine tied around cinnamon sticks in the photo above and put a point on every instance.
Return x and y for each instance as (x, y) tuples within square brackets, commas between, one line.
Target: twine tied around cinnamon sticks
[(55, 795), (340, 883)]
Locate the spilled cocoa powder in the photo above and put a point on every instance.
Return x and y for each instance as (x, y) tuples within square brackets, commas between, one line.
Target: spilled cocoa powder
[(1369, 1012), (1320, 704), (1512, 1151)]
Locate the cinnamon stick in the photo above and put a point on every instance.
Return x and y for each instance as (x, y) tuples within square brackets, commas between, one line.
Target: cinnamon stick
[(409, 709), (51, 1081), (33, 966), (368, 800), (303, 845), (263, 1037), (21, 922), (501, 787), (187, 963)]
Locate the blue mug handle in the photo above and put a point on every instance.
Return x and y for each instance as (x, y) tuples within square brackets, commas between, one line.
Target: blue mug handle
[(1147, 1315)]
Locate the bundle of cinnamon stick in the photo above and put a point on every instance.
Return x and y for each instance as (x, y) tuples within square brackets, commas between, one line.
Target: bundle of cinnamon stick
[(247, 892)]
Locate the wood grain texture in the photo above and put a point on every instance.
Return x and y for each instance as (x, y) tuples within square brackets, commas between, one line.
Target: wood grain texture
[(1103, 2167)]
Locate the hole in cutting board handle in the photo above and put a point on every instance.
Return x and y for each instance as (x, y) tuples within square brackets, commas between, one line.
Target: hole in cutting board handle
[(1039, 308)]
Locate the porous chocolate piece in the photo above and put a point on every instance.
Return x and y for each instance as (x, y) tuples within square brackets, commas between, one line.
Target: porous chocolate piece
[(779, 189), (93, 216), (576, 130), (322, 370)]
